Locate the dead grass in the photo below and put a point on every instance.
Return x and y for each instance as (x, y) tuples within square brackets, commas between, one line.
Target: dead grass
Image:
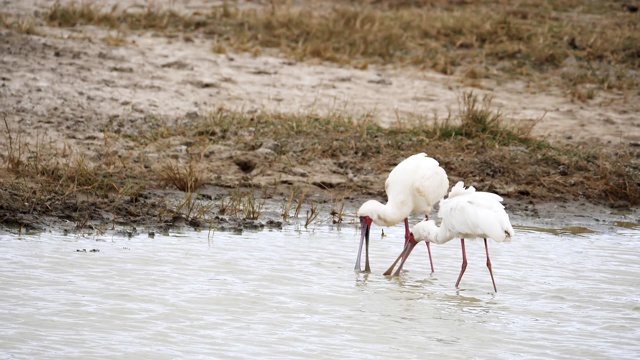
[(152, 16), (473, 145), (578, 43), (22, 24), (194, 210), (47, 179), (337, 209), (478, 120), (185, 177), (241, 204)]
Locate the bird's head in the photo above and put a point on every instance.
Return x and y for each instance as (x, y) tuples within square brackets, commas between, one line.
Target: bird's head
[(425, 230), (374, 211)]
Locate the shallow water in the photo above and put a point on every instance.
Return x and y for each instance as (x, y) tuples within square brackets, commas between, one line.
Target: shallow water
[(562, 294)]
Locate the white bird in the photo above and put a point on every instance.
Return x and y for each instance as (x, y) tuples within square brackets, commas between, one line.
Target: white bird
[(412, 187), (465, 213)]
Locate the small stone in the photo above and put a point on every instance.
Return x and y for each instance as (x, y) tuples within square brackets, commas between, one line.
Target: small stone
[(563, 170), (298, 172)]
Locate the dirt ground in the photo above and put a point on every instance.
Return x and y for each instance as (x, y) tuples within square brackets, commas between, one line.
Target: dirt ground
[(66, 86)]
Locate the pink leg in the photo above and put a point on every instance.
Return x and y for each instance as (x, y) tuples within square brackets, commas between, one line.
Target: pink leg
[(406, 252), (486, 247), (401, 256), (407, 232), (367, 268), (407, 236), (464, 262), (429, 248), (430, 259)]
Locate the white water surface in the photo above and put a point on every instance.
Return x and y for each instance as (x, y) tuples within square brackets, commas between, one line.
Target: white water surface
[(293, 293)]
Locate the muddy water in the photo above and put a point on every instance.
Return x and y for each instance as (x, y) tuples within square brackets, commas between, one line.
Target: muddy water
[(562, 294)]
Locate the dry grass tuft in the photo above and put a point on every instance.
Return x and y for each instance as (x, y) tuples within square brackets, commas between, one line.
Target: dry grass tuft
[(153, 16), (187, 177), (195, 210), (241, 204), (25, 25), (478, 120)]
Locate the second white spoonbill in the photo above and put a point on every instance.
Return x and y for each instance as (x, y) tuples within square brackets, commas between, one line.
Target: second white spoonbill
[(465, 213), (412, 187)]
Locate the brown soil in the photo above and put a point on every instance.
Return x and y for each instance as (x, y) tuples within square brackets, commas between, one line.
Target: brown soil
[(68, 89)]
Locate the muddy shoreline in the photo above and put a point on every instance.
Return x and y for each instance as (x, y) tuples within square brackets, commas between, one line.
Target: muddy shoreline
[(565, 217)]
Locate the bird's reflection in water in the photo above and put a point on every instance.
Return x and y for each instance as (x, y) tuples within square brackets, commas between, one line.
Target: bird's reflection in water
[(362, 278)]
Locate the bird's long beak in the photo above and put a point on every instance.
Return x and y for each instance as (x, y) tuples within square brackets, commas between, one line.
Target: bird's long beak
[(404, 255), (365, 225), (406, 252)]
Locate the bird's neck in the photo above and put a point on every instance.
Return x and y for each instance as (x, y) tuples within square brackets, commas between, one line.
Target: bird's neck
[(389, 215), (440, 235)]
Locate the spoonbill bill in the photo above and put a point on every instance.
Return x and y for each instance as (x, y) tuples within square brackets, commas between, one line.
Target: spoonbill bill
[(465, 213), (412, 187)]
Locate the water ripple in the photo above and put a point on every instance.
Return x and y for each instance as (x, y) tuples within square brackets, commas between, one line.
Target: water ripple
[(563, 294)]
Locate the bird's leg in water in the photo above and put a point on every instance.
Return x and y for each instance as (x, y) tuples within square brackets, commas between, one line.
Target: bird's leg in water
[(406, 252), (365, 224), (426, 217), (407, 232), (430, 259), (357, 267), (407, 236), (366, 250), (486, 247), (464, 262)]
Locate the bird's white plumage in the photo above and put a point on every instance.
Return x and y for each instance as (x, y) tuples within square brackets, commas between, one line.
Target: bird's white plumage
[(467, 213), (412, 187)]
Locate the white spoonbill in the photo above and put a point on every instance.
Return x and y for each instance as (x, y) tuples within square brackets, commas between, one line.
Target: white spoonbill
[(412, 187), (465, 213)]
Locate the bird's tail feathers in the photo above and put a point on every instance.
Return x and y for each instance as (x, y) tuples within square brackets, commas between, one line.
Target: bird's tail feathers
[(459, 189)]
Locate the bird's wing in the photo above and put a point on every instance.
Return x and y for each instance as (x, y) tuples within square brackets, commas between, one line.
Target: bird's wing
[(454, 196), (399, 176), (416, 184), (475, 216), (458, 217), (431, 185), (489, 198), (386, 185), (493, 225)]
